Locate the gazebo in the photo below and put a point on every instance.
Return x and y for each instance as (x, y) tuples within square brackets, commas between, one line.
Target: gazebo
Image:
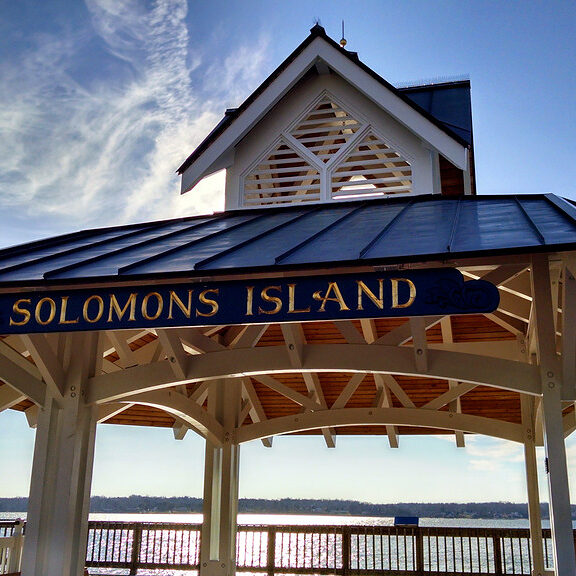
[(354, 284)]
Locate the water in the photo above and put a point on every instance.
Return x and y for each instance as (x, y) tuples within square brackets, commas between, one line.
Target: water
[(366, 551), (307, 520)]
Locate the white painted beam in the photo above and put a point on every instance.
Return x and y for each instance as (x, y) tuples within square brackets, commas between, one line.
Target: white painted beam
[(287, 392), (10, 397), (550, 371), (108, 411), (403, 333), (120, 344), (20, 378), (348, 391), (384, 400), (505, 374), (533, 492), (350, 332), (198, 341), (454, 405), (256, 411), (513, 325), (381, 417), (450, 395), (569, 335), (418, 328), (47, 362), (186, 409), (174, 351), (249, 336), (369, 330)]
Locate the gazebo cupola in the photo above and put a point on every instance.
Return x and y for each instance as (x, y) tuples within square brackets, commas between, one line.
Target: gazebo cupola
[(324, 127)]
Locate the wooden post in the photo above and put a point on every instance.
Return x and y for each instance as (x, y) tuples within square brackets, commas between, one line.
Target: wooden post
[(58, 507), (136, 543), (497, 545), (419, 543), (531, 469), (218, 541), (271, 551), (551, 378), (346, 550)]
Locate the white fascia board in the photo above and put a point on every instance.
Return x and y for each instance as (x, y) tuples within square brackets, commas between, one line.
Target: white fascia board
[(417, 123), (211, 160), (219, 154)]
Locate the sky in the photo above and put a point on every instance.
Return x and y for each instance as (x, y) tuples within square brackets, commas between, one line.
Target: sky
[(102, 100)]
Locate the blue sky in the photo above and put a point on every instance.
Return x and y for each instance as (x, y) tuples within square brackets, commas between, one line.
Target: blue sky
[(101, 101)]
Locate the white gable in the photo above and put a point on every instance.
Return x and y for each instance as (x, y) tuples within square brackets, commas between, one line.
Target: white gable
[(324, 129)]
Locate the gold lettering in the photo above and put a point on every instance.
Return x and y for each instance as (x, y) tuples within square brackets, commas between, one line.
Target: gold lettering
[(186, 310), (249, 300), (208, 301), (267, 298), (159, 306), (22, 311), (63, 312), (292, 300), (38, 313), (115, 307), (332, 287), (363, 289), (100, 309), (395, 301)]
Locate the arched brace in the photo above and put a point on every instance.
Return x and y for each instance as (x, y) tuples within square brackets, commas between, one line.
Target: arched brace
[(186, 409), (447, 365), (381, 417)]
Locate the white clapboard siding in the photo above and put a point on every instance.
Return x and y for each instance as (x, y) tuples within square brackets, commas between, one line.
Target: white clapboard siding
[(326, 129), (283, 177), (371, 169)]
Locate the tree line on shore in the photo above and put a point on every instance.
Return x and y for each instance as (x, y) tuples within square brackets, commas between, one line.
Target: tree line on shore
[(183, 504)]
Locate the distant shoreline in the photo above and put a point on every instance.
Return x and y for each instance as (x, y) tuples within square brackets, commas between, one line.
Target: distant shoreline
[(182, 504)]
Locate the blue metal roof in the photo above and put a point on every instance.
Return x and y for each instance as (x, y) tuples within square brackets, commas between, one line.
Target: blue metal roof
[(421, 228), (448, 102)]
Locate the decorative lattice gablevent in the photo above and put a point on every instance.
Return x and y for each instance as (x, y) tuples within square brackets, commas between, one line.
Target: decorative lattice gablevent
[(326, 129), (284, 177), (371, 169)]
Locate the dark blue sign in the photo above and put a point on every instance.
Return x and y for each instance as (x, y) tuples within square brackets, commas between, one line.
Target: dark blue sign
[(430, 292)]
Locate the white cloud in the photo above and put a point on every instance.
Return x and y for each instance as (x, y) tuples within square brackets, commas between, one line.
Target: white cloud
[(491, 454), (102, 146)]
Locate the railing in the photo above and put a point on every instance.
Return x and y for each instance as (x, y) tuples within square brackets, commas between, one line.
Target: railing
[(337, 550), (394, 550), (142, 545), (11, 544)]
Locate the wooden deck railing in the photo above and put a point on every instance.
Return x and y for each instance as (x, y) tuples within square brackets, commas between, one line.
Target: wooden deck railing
[(339, 550), (11, 543)]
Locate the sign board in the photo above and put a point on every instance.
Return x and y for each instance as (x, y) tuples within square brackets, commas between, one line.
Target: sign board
[(429, 292)]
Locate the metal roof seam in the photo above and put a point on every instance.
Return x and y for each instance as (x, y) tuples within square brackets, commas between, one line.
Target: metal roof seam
[(223, 216), (199, 265), (52, 273), (294, 249), (384, 230), (531, 222), (455, 223), (564, 206), (63, 238), (68, 252)]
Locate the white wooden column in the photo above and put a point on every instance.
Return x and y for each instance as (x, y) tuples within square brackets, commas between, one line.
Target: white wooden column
[(531, 468), (551, 377), (218, 543), (57, 524)]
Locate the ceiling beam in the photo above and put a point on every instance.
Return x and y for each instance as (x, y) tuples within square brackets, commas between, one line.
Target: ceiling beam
[(446, 365), (47, 362)]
